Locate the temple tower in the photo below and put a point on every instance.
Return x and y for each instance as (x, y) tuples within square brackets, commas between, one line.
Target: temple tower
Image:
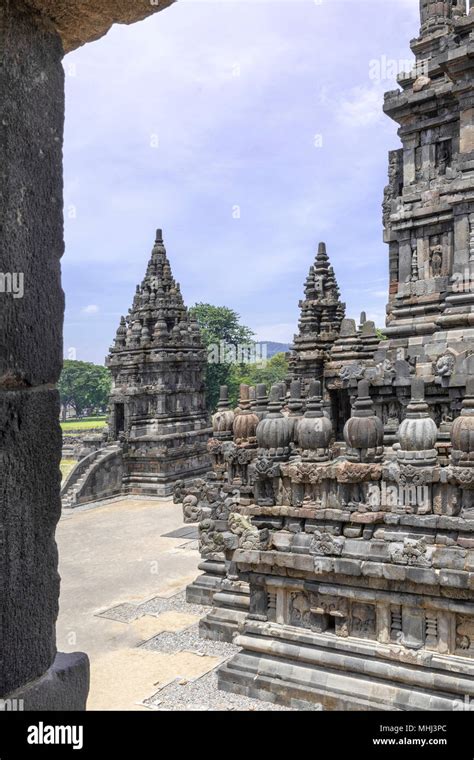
[(157, 404), (321, 315), (429, 205)]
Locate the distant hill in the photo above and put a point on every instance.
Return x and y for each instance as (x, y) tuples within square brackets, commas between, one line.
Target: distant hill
[(274, 348)]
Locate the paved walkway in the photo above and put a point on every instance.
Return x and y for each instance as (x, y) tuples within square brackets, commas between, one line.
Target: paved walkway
[(122, 602)]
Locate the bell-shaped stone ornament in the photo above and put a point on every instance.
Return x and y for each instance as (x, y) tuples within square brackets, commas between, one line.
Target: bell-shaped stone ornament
[(363, 432), (274, 432), (223, 419), (417, 434), (245, 421), (462, 431), (315, 433)]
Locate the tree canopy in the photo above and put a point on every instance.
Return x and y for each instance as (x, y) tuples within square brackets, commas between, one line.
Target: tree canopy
[(233, 355), (84, 385)]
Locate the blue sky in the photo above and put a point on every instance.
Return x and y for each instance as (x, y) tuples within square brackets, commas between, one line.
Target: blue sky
[(249, 131)]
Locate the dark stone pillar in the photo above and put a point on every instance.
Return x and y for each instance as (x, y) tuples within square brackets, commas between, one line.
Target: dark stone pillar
[(31, 245)]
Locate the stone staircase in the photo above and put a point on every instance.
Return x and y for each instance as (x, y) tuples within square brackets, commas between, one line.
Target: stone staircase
[(94, 477)]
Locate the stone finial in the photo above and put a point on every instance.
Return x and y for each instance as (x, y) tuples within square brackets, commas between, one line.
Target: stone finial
[(282, 386), (252, 396), (322, 252), (363, 318), (244, 396), (274, 400), (295, 407), (223, 397), (462, 430), (274, 432), (223, 419), (295, 403), (261, 401), (159, 236), (417, 434), (245, 421), (348, 328), (368, 329), (315, 432), (363, 432)]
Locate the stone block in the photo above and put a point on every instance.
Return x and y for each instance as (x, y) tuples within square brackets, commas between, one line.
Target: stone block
[(422, 575), (372, 569), (394, 572), (30, 453), (347, 567), (64, 687), (454, 579), (451, 559)]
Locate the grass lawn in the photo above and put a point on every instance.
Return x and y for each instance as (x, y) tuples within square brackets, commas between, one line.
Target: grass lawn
[(84, 423), (66, 467)]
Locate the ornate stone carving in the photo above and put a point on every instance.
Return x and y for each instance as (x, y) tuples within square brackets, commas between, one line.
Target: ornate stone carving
[(350, 372), (300, 610), (363, 432), (325, 543), (445, 365), (248, 534), (363, 620), (465, 635), (411, 552)]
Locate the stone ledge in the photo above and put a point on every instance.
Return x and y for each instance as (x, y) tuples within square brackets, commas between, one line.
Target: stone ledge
[(88, 20)]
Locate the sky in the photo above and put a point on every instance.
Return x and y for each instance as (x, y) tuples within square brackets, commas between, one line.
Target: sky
[(249, 131)]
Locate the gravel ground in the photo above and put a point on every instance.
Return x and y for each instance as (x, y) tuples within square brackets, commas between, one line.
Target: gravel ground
[(123, 613), (189, 641), (126, 613), (203, 694), (175, 603)]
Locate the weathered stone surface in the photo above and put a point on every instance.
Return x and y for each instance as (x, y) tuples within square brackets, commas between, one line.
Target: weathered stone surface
[(31, 124), (64, 686), (30, 450), (381, 616), (88, 20)]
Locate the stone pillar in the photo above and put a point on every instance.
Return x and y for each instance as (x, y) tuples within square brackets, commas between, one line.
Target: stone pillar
[(31, 317)]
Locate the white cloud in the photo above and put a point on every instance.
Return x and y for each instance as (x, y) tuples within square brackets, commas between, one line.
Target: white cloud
[(92, 308), (362, 107)]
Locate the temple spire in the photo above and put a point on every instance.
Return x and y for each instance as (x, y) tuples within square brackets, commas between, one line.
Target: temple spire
[(320, 320)]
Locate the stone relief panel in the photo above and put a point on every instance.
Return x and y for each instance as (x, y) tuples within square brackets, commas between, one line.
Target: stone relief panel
[(465, 636)]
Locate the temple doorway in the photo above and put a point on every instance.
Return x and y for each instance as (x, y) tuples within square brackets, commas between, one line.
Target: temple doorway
[(119, 419)]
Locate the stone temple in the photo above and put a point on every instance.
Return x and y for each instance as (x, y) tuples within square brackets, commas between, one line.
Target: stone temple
[(337, 523), (158, 424)]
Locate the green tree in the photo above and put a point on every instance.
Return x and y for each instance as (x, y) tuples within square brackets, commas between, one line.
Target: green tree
[(84, 385), (223, 335), (273, 371)]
